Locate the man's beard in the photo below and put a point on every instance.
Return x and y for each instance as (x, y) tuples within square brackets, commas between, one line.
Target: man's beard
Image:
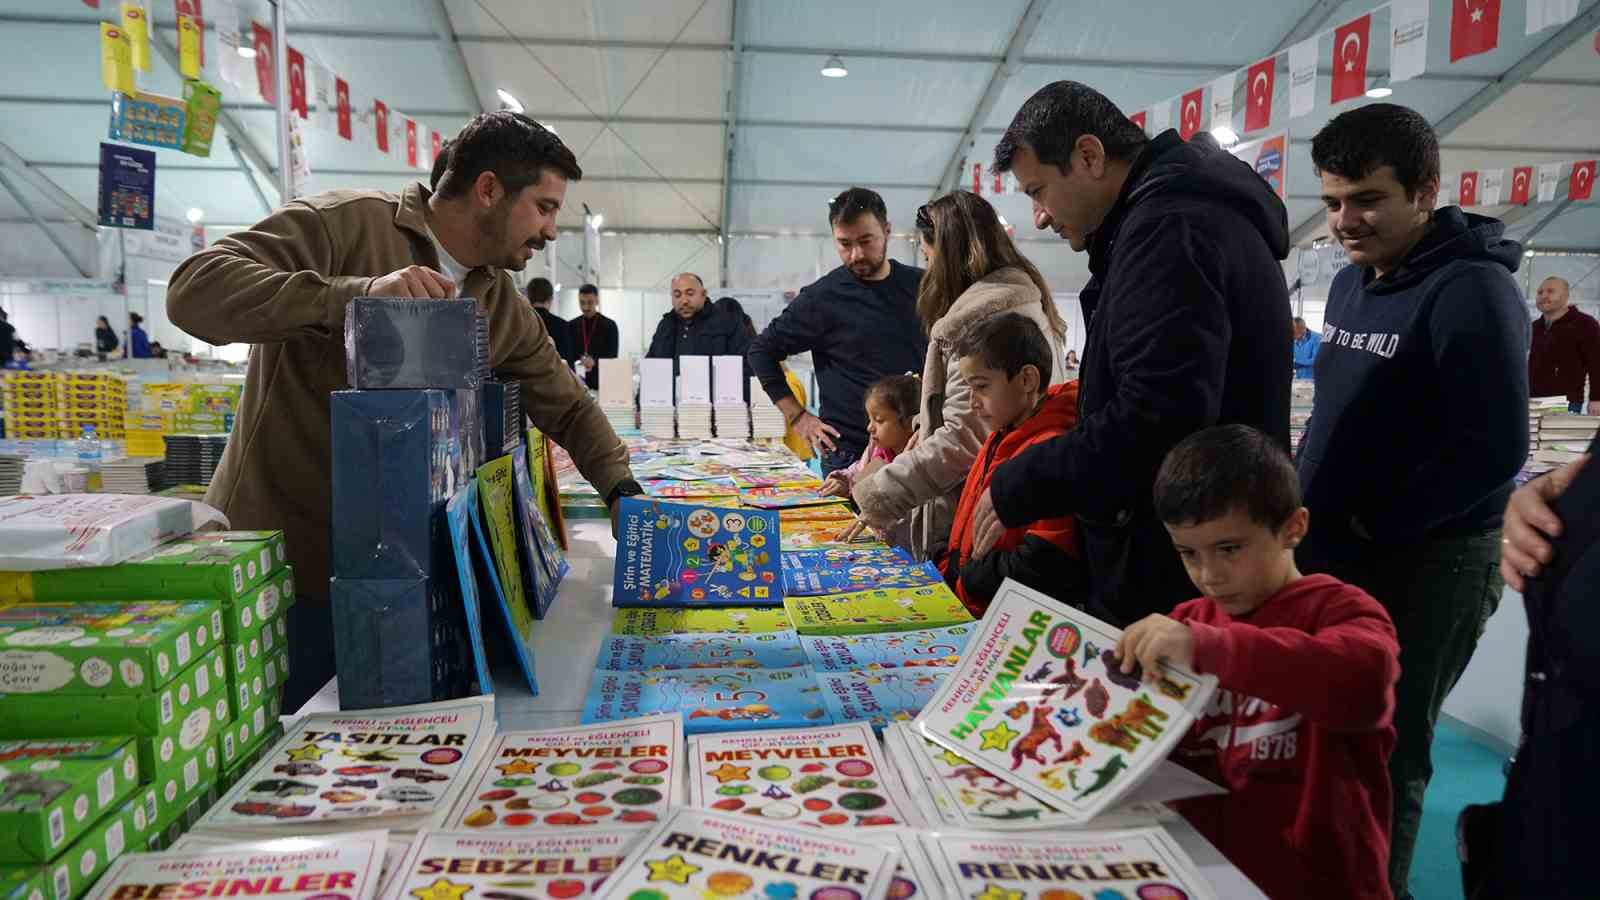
[(869, 267), (495, 231)]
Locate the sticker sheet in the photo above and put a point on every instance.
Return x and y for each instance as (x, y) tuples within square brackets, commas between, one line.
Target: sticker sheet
[(885, 609), (828, 777), (633, 653), (459, 865), (878, 696), (683, 555), (839, 579), (851, 555), (1039, 700), (616, 775), (697, 854), (937, 647), (347, 865), (1143, 863), (402, 767), (731, 620), (710, 699)]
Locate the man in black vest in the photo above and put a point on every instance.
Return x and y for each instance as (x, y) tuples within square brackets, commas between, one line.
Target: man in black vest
[(594, 337)]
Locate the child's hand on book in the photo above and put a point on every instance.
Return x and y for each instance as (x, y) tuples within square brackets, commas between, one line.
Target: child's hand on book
[(1154, 640), (834, 486)]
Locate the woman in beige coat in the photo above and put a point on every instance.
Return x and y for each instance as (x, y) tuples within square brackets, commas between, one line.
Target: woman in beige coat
[(974, 272)]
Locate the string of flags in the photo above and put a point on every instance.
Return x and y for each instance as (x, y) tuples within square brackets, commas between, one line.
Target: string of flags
[(1520, 185)]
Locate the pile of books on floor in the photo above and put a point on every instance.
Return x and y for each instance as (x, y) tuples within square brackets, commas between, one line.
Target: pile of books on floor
[(11, 469), (193, 458), (132, 476), (766, 420)]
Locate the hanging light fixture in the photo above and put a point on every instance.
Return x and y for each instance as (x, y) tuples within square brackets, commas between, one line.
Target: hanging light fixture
[(1225, 135), (1380, 91), (508, 101), (833, 67)]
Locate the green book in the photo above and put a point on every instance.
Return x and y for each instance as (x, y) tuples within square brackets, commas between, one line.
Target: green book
[(882, 609), (102, 649), (53, 790), (218, 565)]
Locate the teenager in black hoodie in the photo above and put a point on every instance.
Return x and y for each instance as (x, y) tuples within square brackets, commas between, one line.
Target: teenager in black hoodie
[(1419, 422), (1189, 327)]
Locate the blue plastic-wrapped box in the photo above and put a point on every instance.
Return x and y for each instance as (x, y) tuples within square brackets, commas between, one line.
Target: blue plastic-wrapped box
[(393, 343), (398, 640)]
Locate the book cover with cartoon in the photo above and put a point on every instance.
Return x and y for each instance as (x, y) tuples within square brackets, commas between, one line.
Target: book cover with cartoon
[(710, 700), (846, 555), (460, 865), (727, 619), (828, 777), (921, 648), (632, 653), (684, 555), (881, 609), (788, 497), (1040, 700), (1138, 862), (879, 696), (841, 579)]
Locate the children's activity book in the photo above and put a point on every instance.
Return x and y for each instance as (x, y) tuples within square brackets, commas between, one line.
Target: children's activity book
[(935, 647), (710, 699), (440, 865), (345, 865), (1142, 862), (839, 579), (687, 555), (731, 620), (768, 650), (883, 609), (879, 696)]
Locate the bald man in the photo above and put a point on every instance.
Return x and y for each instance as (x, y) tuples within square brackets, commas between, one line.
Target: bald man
[(695, 327), (1565, 349)]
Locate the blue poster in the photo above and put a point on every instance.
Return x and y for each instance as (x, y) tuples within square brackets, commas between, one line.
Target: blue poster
[(682, 554), (457, 512), (127, 187)]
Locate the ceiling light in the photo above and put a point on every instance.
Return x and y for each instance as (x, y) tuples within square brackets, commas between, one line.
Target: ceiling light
[(1225, 135), (247, 52), (195, 215), (599, 219), (1380, 92), (507, 101), (833, 67), (558, 286)]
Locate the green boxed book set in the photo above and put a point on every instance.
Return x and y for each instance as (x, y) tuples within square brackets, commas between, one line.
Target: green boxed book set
[(226, 565), (53, 790), (102, 649), (74, 871), (268, 601)]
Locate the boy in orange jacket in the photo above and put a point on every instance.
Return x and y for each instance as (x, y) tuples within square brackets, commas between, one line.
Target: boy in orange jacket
[(1007, 362)]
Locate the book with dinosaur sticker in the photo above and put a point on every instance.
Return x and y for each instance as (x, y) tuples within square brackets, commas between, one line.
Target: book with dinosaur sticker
[(879, 696), (445, 865), (839, 579), (883, 609), (768, 650), (730, 620), (622, 774), (828, 777), (936, 647), (696, 854), (1138, 862), (710, 699), (346, 865), (849, 555), (1040, 700), (683, 555), (402, 767)]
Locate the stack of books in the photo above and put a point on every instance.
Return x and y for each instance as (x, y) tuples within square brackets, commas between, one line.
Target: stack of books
[(1538, 408), (766, 420), (132, 476), (193, 458), (1301, 396), (694, 421), (1564, 437), (733, 420), (11, 468), (656, 398), (616, 395)]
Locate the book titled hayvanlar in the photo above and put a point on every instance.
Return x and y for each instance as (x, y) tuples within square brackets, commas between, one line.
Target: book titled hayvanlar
[(684, 555)]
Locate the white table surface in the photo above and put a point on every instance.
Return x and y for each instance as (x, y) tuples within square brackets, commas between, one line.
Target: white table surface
[(567, 640)]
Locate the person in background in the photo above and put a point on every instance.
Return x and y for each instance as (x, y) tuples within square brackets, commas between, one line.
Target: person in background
[(734, 308), (1072, 360), (696, 327), (541, 293), (8, 338), (157, 351), (1188, 319), (21, 356), (283, 285), (1420, 419), (1565, 350), (594, 337), (105, 337), (1300, 730), (1306, 343), (1006, 363), (891, 419), (138, 341), (859, 322)]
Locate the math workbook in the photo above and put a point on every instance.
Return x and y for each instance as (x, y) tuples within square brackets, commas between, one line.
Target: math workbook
[(461, 865), (768, 650), (400, 768), (1143, 863), (696, 854), (348, 866), (828, 777), (731, 620), (614, 775), (727, 699), (688, 555), (879, 696), (800, 560), (1040, 700), (921, 648)]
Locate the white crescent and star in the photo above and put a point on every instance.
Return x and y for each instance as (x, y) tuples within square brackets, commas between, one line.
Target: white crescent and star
[(1188, 105), (1582, 174), (1476, 14), (1260, 79), (1520, 179)]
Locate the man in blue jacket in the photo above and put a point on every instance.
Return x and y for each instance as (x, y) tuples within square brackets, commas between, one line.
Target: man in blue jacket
[(1419, 423), (1306, 344)]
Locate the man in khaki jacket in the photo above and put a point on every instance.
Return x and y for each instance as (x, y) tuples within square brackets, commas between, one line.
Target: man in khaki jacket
[(283, 286)]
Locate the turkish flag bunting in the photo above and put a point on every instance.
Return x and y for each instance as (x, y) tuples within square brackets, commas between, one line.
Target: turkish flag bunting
[(191, 8), (977, 178), (1582, 185), (341, 93), (266, 80), (380, 118), (297, 83), (1350, 59), (1258, 94), (1138, 119), (1190, 113), (437, 141), (1521, 184), (1469, 189), (1474, 27), (411, 143)]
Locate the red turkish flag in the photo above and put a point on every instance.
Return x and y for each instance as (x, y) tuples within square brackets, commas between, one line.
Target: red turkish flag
[(1258, 94), (1582, 185), (1138, 119), (411, 143), (297, 82), (341, 93), (437, 142), (977, 178), (1469, 189), (380, 116), (1521, 184), (266, 80), (1350, 45), (1474, 27), (191, 8), (1190, 112)]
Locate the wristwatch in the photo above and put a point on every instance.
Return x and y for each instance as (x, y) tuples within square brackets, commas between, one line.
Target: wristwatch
[(627, 487)]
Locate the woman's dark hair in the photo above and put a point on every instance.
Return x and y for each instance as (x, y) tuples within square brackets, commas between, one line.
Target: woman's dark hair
[(514, 147), (104, 321), (1357, 143), (135, 318), (1057, 115), (901, 393), (1224, 468), (969, 243)]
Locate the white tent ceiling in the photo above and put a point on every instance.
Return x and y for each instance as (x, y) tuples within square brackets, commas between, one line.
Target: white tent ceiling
[(641, 88)]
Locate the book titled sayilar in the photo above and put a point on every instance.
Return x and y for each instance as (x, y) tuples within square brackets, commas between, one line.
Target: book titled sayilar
[(1040, 700), (883, 609), (347, 866), (710, 699), (683, 555), (696, 854), (1138, 862)]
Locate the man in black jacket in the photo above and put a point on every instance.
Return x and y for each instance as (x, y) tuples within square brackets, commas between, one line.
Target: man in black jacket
[(541, 293), (1189, 327), (594, 337), (696, 327)]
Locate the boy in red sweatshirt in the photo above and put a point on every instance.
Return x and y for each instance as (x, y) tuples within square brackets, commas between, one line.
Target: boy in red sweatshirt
[(1007, 362), (1300, 729)]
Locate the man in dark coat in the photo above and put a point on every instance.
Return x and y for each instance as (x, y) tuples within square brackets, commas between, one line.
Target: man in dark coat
[(696, 327), (541, 293)]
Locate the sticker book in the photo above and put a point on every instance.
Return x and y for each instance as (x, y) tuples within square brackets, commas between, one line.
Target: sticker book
[(732, 620), (848, 555), (768, 650), (710, 699), (1040, 701), (460, 864), (840, 579), (613, 775), (879, 696), (346, 865), (683, 555), (823, 777), (939, 647), (1141, 862), (883, 609)]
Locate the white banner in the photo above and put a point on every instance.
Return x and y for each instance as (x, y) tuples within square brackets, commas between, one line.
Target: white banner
[(1408, 39), (299, 162), (1160, 117), (231, 67), (1222, 101), (1549, 178), (1544, 14), (1303, 78), (322, 115), (1491, 183)]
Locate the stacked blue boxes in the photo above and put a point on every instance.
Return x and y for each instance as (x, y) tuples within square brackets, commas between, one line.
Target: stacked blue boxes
[(402, 447), (502, 416)]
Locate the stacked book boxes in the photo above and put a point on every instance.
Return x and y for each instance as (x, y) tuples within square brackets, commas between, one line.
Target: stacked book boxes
[(161, 409), (59, 405)]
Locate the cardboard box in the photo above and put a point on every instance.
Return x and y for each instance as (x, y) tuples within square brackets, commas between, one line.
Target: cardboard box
[(52, 791), (73, 872), (268, 601), (102, 649), (219, 565), (177, 797), (190, 774)]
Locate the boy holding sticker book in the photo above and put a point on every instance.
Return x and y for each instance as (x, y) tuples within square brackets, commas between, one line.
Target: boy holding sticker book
[(1007, 362), (1301, 727)]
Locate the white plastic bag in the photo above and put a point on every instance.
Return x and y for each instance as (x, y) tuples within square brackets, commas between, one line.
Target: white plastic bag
[(66, 531)]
